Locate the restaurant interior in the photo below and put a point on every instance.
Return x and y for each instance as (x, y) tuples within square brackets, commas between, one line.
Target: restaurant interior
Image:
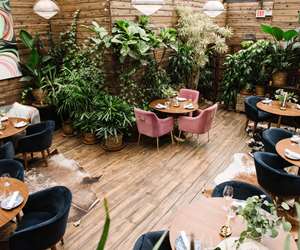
[(149, 124)]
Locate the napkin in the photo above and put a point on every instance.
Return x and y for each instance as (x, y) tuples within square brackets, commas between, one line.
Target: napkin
[(4, 118), (160, 106), (20, 124), (188, 106), (295, 138), (13, 199), (181, 99), (291, 154), (266, 101)]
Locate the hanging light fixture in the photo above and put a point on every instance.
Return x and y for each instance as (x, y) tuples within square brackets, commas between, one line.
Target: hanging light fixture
[(213, 8), (46, 8), (147, 7)]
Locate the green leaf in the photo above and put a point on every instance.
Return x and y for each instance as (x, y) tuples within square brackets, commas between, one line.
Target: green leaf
[(289, 35), (278, 33), (105, 230), (160, 241), (26, 39)]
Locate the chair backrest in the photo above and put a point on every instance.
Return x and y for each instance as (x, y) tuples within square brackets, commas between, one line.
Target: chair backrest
[(272, 176), (241, 190), (273, 135), (147, 122), (14, 168), (250, 107), (56, 201), (190, 94), (7, 150), (207, 117), (147, 241)]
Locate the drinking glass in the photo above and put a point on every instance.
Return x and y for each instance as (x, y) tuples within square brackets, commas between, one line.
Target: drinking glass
[(6, 185), (228, 195)]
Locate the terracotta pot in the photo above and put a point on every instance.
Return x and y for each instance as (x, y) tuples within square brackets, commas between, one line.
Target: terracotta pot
[(260, 90), (113, 143), (245, 91), (89, 138), (67, 128), (280, 78), (39, 95)]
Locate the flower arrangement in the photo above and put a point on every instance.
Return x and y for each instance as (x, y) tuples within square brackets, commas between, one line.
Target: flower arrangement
[(282, 95)]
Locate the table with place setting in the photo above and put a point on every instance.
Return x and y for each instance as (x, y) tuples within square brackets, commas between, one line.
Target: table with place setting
[(201, 221), (175, 106), (10, 126), (13, 195), (274, 107), (289, 149)]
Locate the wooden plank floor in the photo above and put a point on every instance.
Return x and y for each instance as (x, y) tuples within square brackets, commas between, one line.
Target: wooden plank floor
[(145, 187)]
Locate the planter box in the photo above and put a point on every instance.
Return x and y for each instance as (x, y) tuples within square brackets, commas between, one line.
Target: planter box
[(240, 106)]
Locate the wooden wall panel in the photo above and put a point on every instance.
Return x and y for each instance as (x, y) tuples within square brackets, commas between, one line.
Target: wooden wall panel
[(241, 17)]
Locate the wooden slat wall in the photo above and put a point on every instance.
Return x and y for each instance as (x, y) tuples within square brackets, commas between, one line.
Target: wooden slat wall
[(241, 17)]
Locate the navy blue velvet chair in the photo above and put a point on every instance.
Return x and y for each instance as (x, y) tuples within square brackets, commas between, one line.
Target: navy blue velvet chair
[(147, 241), (241, 190), (44, 222), (13, 168), (273, 135), (272, 176), (38, 138), (253, 113), (7, 151)]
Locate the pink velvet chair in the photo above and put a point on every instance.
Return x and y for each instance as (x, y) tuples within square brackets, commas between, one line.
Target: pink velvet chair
[(199, 124), (190, 94), (150, 125)]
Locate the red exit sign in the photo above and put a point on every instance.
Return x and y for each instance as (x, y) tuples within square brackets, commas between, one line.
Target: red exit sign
[(260, 13)]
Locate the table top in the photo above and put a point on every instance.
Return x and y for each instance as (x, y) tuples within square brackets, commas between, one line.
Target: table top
[(274, 108), (287, 143), (204, 218), (10, 129), (172, 109), (15, 185)]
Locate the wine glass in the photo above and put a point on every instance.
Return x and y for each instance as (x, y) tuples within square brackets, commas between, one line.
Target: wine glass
[(228, 195)]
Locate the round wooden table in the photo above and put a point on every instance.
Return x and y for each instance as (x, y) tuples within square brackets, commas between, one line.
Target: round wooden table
[(10, 129), (204, 218), (15, 185), (274, 108), (173, 110), (288, 144)]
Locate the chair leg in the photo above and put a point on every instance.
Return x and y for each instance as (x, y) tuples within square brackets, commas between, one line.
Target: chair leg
[(269, 125), (31, 154), (53, 247), (48, 152), (139, 139), (172, 137), (208, 136), (179, 135), (25, 160), (44, 157), (62, 241), (247, 123), (254, 127), (157, 143)]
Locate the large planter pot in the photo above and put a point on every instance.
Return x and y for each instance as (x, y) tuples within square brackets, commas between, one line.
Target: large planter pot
[(89, 138), (280, 78), (67, 128), (113, 143), (39, 96), (260, 90)]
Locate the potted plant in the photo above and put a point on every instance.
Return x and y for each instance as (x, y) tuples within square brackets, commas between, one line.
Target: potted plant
[(262, 78), (282, 96), (87, 124), (115, 116), (283, 57), (259, 222), (37, 66)]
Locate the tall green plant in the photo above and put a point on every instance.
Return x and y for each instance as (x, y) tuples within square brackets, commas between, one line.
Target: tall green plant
[(105, 231)]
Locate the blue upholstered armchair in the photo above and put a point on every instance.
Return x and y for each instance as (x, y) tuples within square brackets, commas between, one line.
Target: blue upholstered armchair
[(13, 168), (147, 241), (7, 151), (38, 138), (44, 222), (253, 113), (271, 136), (272, 176), (241, 190)]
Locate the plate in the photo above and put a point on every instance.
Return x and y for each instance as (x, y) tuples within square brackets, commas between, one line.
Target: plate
[(160, 107), (20, 124), (4, 118), (181, 99), (5, 202), (189, 107), (266, 101), (295, 138), (291, 157)]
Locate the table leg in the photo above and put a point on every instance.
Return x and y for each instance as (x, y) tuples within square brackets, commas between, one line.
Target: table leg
[(279, 121)]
